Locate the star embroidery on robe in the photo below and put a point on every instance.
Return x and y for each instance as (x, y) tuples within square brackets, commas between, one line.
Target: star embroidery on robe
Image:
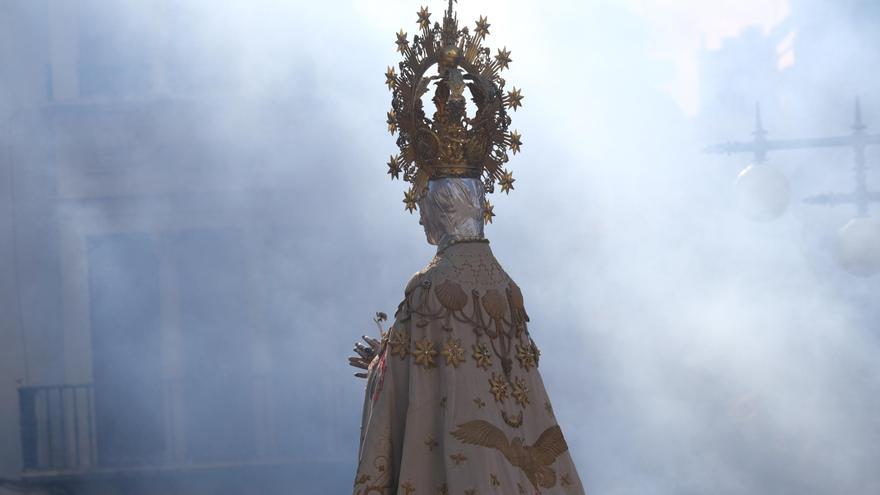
[(425, 353), (431, 442), (549, 408), (493, 479), (453, 352), (399, 342), (520, 391), (408, 488), (498, 387), (458, 458), (565, 480), (443, 489), (480, 403), (482, 356), (526, 356)]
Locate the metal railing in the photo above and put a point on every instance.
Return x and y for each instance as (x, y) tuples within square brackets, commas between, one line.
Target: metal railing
[(61, 427)]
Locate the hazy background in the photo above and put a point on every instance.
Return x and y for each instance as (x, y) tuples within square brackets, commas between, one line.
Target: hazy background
[(687, 349)]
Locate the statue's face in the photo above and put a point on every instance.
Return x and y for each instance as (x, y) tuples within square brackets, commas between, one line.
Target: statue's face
[(451, 207), (432, 232)]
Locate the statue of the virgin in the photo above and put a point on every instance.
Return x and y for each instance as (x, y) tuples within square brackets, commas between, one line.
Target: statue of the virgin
[(454, 401)]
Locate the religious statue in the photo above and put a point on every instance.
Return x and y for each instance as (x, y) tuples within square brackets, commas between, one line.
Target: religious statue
[(454, 401)]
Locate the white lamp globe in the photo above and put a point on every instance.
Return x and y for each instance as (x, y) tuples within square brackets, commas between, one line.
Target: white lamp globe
[(858, 246), (762, 193)]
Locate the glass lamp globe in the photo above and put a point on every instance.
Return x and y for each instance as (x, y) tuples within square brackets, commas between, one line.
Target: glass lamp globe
[(762, 192), (858, 246)]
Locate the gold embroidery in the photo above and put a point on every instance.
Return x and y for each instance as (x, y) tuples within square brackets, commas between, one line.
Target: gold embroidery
[(564, 480), (534, 460), (494, 304), (408, 488), (431, 442), (399, 342), (451, 296), (472, 491), (517, 306), (498, 387), (520, 391), (362, 479), (425, 353), (515, 421), (549, 408), (494, 480), (480, 403), (482, 356), (443, 489), (522, 491), (453, 352), (458, 458), (526, 356)]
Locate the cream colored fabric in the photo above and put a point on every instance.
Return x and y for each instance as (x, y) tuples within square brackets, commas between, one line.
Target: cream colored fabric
[(454, 402)]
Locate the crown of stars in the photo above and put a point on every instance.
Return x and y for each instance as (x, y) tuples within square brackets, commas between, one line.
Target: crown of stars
[(458, 52)]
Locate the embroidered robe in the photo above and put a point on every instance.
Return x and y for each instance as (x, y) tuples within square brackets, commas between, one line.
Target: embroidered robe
[(454, 401)]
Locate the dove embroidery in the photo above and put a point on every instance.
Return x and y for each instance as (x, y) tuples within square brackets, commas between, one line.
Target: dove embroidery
[(534, 460)]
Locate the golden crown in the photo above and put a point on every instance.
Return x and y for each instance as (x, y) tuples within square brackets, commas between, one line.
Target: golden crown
[(451, 144)]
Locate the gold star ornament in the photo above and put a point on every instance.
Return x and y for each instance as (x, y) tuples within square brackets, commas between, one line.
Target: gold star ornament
[(409, 199), (514, 99), (515, 141), (390, 78), (483, 27), (488, 212), (424, 18), (503, 58), (401, 42), (506, 182), (392, 122), (394, 167)]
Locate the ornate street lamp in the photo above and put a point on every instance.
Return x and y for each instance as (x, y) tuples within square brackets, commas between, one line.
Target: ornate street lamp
[(764, 193)]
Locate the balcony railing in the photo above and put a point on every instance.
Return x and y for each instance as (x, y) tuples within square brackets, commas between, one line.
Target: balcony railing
[(84, 428)]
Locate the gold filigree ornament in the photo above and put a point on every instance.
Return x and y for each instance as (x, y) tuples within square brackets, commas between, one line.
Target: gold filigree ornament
[(451, 144)]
